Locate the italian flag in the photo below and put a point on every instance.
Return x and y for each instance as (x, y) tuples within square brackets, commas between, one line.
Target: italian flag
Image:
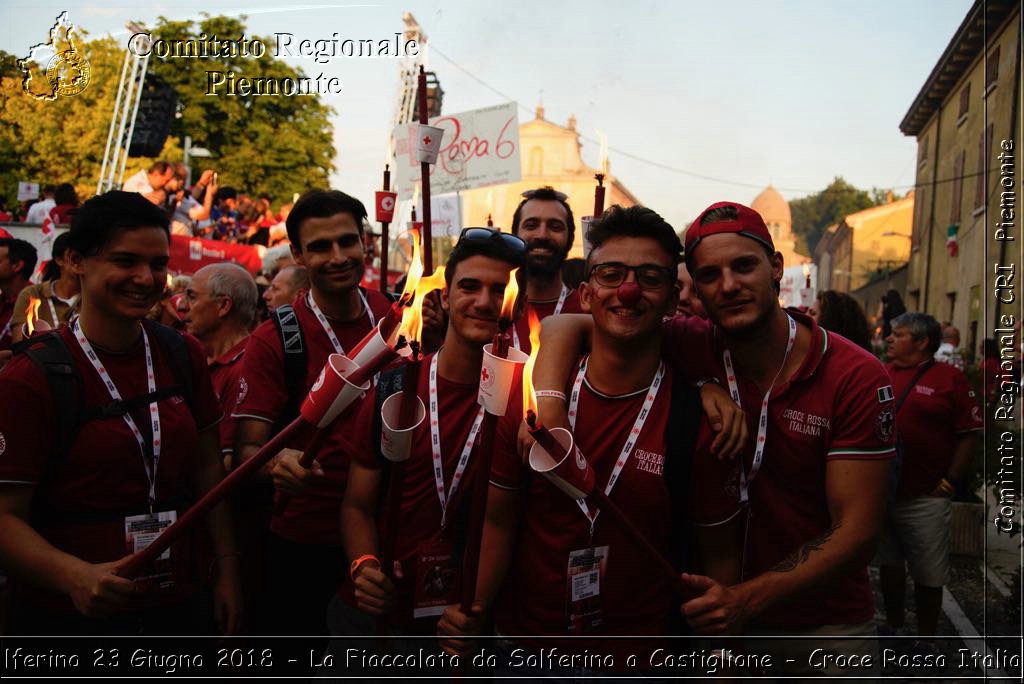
[(951, 243)]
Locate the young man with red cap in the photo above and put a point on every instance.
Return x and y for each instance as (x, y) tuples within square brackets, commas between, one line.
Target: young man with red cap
[(563, 569), (804, 504), (544, 221), (306, 561), (441, 467)]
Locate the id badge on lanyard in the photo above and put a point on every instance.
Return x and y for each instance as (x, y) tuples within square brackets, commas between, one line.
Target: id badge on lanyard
[(584, 576), (437, 579), (139, 533)]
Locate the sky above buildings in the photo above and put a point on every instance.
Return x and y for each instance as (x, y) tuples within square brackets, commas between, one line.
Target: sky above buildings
[(788, 93)]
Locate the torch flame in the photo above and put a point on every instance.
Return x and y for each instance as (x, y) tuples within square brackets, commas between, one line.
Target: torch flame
[(415, 269), (529, 398), (508, 304), (170, 281), (32, 314)]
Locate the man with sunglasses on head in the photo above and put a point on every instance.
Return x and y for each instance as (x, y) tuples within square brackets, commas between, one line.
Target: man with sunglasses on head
[(573, 571), (441, 467), (544, 221), (798, 516)]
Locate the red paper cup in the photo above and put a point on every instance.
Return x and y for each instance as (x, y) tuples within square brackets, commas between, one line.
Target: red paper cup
[(569, 471), (496, 378), (332, 393), (395, 443)]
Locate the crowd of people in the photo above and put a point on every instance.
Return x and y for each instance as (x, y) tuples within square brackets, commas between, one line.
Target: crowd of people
[(763, 451), (203, 209)]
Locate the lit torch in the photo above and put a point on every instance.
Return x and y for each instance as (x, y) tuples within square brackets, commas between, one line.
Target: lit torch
[(498, 395)]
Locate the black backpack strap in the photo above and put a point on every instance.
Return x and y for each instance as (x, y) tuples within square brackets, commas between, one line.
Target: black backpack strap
[(680, 442), (294, 346), (54, 359)]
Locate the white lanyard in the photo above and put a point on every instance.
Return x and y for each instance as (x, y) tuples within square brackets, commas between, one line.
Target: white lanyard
[(762, 423), (435, 446), (151, 465), (558, 309), (634, 434), (327, 325), (53, 312)]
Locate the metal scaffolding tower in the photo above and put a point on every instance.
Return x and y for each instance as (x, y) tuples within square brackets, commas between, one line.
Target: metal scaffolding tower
[(126, 107)]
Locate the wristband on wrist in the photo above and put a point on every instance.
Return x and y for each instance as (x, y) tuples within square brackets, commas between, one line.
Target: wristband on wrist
[(554, 394), (704, 381), (358, 563)]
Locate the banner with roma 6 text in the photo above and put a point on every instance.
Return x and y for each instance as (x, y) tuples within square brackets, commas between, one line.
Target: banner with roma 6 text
[(188, 255), (479, 148)]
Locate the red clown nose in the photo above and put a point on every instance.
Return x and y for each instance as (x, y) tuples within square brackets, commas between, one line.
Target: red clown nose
[(628, 293)]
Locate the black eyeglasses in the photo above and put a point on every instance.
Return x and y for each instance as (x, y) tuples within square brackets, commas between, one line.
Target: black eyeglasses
[(561, 196), (508, 240), (648, 276)]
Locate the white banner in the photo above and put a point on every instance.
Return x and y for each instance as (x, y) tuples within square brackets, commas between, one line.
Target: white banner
[(479, 148), (445, 215)]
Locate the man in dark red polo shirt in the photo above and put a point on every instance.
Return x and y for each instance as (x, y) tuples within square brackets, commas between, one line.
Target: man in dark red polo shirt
[(808, 496), (544, 221), (442, 462), (938, 422), (219, 310), (305, 557), (620, 406)]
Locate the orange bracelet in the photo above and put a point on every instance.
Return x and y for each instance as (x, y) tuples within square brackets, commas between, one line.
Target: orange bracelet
[(358, 562)]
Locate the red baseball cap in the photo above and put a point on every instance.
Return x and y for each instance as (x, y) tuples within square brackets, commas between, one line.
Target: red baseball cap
[(747, 223)]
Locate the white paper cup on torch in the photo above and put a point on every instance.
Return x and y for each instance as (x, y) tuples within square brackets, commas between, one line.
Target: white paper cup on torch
[(569, 471), (428, 142), (375, 346), (395, 443), (332, 393), (497, 376)]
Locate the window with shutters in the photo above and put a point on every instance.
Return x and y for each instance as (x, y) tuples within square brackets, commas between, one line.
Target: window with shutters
[(984, 146), (920, 208), (965, 104), (991, 70), (958, 186)]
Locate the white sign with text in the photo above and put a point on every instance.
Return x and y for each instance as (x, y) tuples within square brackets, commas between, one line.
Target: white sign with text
[(479, 148)]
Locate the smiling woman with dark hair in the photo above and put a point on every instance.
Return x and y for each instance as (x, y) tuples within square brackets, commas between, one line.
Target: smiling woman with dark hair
[(94, 461)]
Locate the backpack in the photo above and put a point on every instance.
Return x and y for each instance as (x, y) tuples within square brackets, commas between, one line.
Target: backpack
[(51, 355), (293, 343)]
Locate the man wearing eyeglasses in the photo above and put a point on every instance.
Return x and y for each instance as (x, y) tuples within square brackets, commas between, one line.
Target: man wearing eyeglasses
[(442, 464), (575, 572), (219, 310), (544, 221), (798, 516)]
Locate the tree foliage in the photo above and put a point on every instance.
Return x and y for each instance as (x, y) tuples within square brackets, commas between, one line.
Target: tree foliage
[(273, 144), (814, 213)]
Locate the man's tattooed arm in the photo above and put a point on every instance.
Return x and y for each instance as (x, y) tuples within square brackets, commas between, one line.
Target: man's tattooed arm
[(790, 562)]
